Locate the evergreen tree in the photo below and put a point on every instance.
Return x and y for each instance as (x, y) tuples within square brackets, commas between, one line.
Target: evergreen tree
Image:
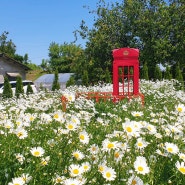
[(157, 73), (55, 85), (85, 78), (179, 76), (19, 87), (167, 73), (144, 72), (7, 91), (70, 82), (29, 89), (107, 76)]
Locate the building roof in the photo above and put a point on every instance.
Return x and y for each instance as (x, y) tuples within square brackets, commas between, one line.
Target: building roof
[(13, 61), (48, 78)]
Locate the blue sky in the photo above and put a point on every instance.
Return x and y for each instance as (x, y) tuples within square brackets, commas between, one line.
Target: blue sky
[(34, 24)]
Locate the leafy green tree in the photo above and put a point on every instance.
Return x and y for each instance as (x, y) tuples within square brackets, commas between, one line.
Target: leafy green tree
[(65, 57), (7, 91), (167, 73), (157, 73), (144, 72), (29, 89), (7, 46), (19, 87), (55, 85)]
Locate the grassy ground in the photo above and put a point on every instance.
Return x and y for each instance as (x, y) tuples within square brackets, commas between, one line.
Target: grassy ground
[(34, 74)]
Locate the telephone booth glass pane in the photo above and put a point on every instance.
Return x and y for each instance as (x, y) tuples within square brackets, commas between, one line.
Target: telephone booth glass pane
[(126, 80)]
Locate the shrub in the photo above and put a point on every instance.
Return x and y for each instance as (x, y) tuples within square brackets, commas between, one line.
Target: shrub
[(19, 87), (7, 91)]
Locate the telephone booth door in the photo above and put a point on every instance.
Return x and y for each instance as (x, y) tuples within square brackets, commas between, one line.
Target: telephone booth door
[(125, 72)]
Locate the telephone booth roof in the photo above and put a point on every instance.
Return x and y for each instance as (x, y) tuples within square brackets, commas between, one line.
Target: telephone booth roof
[(126, 53)]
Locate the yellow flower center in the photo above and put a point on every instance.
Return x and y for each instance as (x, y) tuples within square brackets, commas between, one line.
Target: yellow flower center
[(82, 137), (134, 182), (108, 174), (58, 180), (116, 155), (20, 134), (110, 145), (101, 168), (179, 109), (182, 170), (170, 150), (140, 144), (76, 155), (70, 127), (129, 129), (85, 167), (140, 168), (56, 116), (76, 171), (36, 153)]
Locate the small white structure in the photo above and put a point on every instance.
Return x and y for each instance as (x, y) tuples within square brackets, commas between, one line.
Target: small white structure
[(46, 81)]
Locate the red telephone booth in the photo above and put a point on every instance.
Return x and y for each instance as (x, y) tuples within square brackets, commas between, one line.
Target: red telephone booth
[(125, 72)]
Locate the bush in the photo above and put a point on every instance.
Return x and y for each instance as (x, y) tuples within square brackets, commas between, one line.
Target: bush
[(55, 85), (29, 89), (7, 91), (19, 87)]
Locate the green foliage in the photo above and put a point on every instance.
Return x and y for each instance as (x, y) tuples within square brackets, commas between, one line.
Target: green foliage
[(66, 57), (19, 87), (167, 73), (56, 84), (7, 46), (70, 82), (29, 89), (7, 91), (85, 78), (157, 73), (108, 78), (144, 72)]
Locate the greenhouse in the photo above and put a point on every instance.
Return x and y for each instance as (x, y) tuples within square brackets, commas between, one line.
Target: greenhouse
[(46, 81)]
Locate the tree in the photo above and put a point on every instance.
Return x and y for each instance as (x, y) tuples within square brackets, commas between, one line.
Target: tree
[(7, 46), (55, 85), (108, 78), (157, 73), (144, 72), (66, 57), (70, 82), (85, 78), (7, 91), (29, 89), (19, 87), (167, 73)]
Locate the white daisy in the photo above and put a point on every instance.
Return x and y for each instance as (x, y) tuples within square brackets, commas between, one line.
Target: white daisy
[(17, 181), (37, 151), (75, 170), (109, 174), (78, 155), (180, 167), (171, 148), (134, 180), (141, 166), (108, 145), (21, 133), (84, 137)]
